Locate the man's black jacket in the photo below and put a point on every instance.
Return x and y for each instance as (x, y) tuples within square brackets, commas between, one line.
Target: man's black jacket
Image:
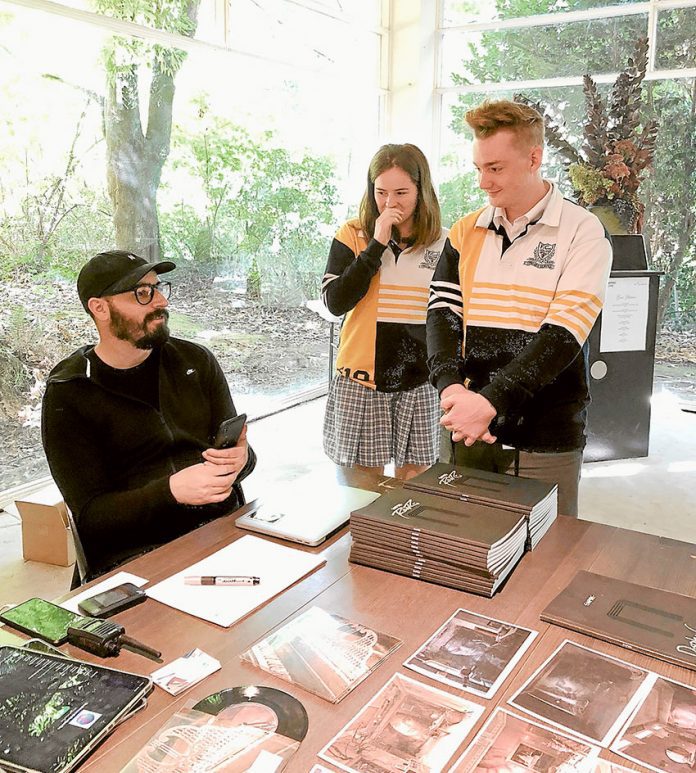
[(112, 454)]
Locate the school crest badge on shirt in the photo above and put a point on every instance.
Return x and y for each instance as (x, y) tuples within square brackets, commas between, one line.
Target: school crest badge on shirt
[(543, 256), (430, 259)]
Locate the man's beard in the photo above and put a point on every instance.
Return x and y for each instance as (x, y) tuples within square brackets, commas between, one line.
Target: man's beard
[(138, 333)]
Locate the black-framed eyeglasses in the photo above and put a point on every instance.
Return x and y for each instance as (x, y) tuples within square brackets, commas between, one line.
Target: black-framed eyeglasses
[(144, 293)]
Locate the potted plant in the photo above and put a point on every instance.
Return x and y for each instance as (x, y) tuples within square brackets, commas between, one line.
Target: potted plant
[(617, 150)]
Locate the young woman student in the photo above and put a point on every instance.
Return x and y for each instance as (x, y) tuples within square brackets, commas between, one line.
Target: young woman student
[(381, 408)]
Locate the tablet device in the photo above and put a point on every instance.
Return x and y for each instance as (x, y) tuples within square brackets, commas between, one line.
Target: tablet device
[(55, 711)]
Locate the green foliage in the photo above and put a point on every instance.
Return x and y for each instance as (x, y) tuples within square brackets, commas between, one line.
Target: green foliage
[(669, 193), (55, 708), (262, 211), (15, 372), (590, 181), (531, 53), (29, 245), (40, 323), (122, 53), (50, 221), (618, 147), (458, 196), (169, 15)]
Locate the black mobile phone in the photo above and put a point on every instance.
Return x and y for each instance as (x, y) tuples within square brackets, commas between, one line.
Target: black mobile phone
[(229, 431), (41, 619), (112, 601)]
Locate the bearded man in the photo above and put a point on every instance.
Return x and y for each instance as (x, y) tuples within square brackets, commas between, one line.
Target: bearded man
[(128, 424)]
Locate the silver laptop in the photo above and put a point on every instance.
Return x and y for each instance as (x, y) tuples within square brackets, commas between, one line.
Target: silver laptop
[(306, 510)]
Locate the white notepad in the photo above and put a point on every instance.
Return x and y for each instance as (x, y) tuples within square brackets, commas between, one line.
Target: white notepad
[(277, 566)]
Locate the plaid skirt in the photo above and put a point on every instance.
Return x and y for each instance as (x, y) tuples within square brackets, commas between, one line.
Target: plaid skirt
[(370, 428)]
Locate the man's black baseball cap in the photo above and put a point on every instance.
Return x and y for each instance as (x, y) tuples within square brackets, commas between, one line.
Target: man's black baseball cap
[(113, 272)]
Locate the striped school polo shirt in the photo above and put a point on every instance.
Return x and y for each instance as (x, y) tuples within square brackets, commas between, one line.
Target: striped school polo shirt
[(511, 318), (384, 298)]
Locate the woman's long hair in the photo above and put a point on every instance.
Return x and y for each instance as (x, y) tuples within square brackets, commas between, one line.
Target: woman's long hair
[(426, 219)]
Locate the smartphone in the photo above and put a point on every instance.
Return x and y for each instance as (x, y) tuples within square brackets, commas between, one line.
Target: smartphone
[(112, 601), (41, 619), (229, 431)]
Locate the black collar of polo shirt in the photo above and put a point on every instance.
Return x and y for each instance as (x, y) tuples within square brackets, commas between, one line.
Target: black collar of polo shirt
[(500, 231)]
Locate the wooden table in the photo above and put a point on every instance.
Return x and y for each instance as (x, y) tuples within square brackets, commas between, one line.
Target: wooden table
[(409, 609)]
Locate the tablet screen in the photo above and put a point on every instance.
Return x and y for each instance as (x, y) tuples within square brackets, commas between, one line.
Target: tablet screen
[(53, 711)]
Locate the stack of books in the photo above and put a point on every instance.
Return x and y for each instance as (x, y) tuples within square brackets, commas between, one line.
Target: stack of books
[(536, 500), (447, 541)]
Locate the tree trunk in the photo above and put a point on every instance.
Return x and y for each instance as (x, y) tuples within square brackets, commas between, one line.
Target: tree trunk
[(135, 158)]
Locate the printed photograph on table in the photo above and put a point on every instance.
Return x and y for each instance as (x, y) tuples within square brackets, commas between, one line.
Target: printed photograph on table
[(661, 733), (515, 744), (322, 652), (195, 741), (606, 766), (583, 691), (184, 672), (407, 725), (472, 652)]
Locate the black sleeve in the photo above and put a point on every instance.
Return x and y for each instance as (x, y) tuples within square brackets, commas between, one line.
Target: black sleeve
[(114, 522), (347, 277), (79, 459), (550, 352), (444, 327)]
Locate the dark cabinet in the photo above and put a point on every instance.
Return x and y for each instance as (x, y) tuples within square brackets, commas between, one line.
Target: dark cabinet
[(622, 357)]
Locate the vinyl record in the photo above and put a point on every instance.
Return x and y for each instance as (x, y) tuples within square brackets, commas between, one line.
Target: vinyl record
[(263, 707)]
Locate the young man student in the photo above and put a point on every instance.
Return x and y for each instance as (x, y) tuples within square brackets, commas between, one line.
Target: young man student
[(128, 424), (513, 299)]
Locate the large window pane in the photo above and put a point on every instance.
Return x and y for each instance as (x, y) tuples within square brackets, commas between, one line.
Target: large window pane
[(457, 13), (198, 19), (259, 173), (594, 46), (668, 190), (459, 191), (304, 36), (676, 39)]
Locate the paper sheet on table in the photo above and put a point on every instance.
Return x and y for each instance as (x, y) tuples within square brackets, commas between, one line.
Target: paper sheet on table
[(625, 315), (118, 579), (276, 565)]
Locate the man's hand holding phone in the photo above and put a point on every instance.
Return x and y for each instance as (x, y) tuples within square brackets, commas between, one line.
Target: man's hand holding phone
[(236, 456), (211, 481)]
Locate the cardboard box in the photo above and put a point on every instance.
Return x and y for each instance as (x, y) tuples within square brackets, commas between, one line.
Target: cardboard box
[(46, 532)]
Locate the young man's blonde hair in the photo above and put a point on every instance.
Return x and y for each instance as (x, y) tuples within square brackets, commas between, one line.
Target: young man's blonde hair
[(490, 117)]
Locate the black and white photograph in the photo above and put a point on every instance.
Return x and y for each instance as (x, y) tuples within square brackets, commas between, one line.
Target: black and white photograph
[(661, 733), (472, 652), (508, 743), (407, 725), (583, 691)]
